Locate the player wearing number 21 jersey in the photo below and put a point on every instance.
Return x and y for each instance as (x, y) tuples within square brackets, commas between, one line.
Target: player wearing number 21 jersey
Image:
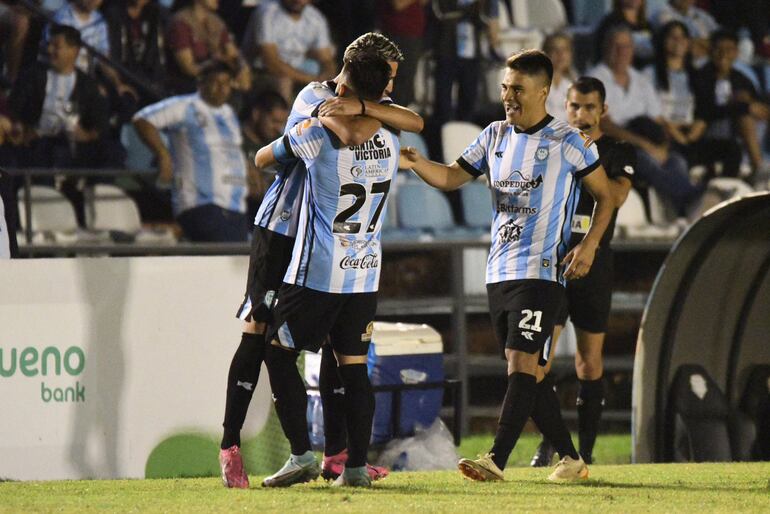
[(534, 165)]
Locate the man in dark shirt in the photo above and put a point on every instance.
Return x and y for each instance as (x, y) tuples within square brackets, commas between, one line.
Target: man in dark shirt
[(589, 298), (727, 100)]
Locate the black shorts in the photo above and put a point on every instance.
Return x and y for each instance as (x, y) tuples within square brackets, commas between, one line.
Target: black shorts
[(269, 258), (589, 298), (523, 314), (303, 318)]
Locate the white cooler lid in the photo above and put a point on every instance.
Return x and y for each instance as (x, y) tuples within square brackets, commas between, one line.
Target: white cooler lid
[(405, 339)]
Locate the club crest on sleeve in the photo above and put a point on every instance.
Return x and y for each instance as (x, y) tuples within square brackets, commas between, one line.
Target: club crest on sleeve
[(628, 169)]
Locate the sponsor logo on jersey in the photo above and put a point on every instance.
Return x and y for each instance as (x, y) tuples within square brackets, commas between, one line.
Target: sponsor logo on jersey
[(515, 209), (369, 171), (499, 155), (509, 232), (356, 244), (541, 154), (373, 149), (369, 261), (528, 335), (517, 180)]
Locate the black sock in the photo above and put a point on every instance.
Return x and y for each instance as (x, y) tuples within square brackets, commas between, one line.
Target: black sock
[(590, 402), (359, 411), (547, 416), (241, 382), (289, 396), (517, 407), (333, 399)]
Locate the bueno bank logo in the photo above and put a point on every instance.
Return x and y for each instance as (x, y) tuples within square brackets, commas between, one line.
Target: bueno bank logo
[(50, 362)]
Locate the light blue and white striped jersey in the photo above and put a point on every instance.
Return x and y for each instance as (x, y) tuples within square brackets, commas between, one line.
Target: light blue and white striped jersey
[(57, 107), (93, 31), (279, 210), (205, 145), (533, 176), (337, 249)]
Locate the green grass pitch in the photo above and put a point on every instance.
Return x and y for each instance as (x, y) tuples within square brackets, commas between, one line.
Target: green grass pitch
[(612, 487)]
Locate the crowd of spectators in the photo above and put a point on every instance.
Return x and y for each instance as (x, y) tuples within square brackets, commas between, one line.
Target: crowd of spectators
[(688, 81)]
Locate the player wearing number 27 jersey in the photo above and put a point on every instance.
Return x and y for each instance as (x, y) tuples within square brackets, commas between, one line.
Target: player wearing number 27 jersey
[(337, 249)]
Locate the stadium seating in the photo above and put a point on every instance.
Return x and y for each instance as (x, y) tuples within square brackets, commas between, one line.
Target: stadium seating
[(415, 140), (706, 429), (755, 403), (423, 208), (456, 136), (477, 210), (51, 211), (544, 15), (112, 209)]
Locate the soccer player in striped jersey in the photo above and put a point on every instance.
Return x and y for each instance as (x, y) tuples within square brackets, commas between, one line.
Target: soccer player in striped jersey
[(272, 243), (330, 287), (589, 298), (535, 165)]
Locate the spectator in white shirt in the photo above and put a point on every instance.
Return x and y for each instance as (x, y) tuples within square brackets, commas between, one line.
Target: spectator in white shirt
[(558, 46), (634, 116), (673, 75), (280, 38)]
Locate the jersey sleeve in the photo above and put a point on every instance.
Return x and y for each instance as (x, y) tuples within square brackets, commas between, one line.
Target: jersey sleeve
[(474, 159), (580, 151), (165, 115), (308, 100), (304, 140), (624, 162)]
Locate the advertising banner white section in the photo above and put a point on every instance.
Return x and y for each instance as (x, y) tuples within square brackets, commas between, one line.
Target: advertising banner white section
[(103, 358)]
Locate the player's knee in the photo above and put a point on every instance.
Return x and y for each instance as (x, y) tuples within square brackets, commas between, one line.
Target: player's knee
[(589, 369), (521, 362)]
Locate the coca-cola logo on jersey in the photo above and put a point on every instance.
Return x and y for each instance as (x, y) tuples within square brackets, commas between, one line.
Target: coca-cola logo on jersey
[(369, 261)]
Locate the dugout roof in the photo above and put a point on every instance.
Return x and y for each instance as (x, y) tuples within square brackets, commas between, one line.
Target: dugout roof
[(709, 305)]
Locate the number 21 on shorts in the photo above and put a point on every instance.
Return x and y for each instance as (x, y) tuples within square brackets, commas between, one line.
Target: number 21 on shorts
[(531, 320)]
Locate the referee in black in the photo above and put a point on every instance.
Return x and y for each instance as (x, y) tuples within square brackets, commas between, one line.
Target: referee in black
[(589, 298)]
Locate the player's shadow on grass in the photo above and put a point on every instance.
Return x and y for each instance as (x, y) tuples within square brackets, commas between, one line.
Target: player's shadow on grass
[(653, 486)]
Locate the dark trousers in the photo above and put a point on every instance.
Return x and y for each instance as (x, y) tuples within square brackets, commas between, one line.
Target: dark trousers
[(411, 47), (211, 223), (466, 73)]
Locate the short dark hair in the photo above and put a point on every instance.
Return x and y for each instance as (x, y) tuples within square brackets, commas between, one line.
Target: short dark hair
[(532, 62), (70, 34), (368, 75), (586, 85), (373, 42), (722, 34), (212, 67), (268, 101)]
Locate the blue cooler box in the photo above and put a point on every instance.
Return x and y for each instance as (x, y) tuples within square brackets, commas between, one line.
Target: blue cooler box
[(403, 353)]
